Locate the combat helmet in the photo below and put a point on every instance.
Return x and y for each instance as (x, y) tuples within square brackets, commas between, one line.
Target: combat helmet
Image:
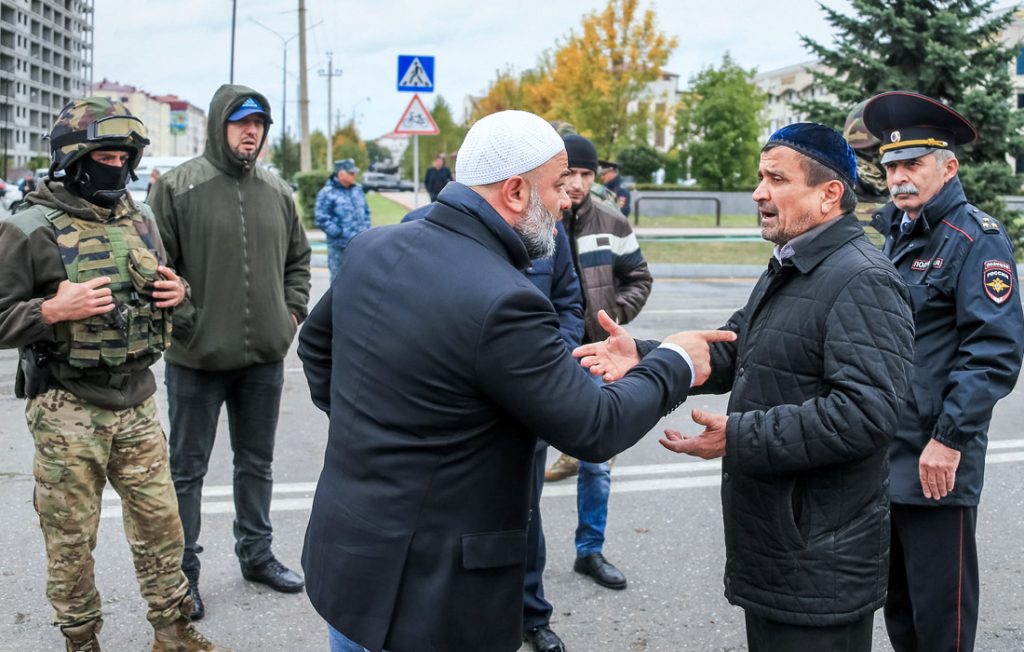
[(870, 187), (92, 123), (854, 131)]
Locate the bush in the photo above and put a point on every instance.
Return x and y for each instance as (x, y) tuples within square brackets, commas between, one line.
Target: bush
[(309, 184), (640, 162)]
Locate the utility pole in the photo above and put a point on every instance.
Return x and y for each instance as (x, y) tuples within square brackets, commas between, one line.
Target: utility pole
[(234, 12), (284, 90), (330, 73), (306, 159)]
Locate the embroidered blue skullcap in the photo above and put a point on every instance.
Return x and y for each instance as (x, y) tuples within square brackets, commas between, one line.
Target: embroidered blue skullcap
[(824, 145)]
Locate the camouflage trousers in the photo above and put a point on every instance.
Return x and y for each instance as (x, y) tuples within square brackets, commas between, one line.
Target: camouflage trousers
[(79, 446)]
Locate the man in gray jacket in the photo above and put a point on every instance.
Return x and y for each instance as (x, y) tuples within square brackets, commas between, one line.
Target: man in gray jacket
[(233, 226)]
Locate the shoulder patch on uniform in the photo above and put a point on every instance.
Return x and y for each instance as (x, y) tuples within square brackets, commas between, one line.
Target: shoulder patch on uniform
[(987, 223), (997, 279), (31, 218)]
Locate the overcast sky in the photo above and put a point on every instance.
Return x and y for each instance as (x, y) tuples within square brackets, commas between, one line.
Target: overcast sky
[(183, 46)]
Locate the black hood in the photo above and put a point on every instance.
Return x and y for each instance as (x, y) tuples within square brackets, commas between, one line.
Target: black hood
[(228, 98)]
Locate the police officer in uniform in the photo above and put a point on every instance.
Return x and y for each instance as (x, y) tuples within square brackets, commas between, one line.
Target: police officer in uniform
[(958, 264), (85, 296)]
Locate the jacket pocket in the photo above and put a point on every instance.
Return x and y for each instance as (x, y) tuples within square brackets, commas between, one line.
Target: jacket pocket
[(792, 510), (493, 549)]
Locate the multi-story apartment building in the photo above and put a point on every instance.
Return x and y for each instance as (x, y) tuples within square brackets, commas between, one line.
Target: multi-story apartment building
[(45, 61), (175, 127)]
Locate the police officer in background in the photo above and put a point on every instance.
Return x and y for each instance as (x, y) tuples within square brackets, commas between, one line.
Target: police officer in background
[(86, 297), (958, 264)]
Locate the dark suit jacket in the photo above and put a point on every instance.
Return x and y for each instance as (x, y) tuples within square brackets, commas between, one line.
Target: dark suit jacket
[(438, 362)]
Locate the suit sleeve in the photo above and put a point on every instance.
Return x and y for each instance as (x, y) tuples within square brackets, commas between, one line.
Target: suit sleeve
[(315, 342), (566, 294), (867, 357), (723, 359), (991, 339), (296, 265), (523, 366)]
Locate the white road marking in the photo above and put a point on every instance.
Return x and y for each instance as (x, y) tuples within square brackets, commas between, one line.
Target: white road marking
[(695, 474)]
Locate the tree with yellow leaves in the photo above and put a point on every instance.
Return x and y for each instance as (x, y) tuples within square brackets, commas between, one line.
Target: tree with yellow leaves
[(594, 78)]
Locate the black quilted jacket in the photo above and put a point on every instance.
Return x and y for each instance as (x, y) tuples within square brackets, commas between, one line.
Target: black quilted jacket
[(818, 375)]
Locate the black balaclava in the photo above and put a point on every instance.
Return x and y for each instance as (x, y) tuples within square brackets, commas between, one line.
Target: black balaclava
[(98, 183)]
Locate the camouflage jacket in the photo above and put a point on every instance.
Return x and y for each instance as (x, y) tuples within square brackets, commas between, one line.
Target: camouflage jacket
[(341, 213), (31, 272)]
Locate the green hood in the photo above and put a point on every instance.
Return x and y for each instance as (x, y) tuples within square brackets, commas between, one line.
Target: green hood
[(228, 98)]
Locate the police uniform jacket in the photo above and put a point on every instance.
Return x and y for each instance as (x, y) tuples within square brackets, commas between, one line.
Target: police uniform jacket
[(958, 264)]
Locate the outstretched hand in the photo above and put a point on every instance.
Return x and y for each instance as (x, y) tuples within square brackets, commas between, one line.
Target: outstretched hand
[(697, 345), (613, 357), (708, 444)]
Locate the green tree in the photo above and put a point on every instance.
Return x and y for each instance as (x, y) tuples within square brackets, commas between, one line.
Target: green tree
[(719, 127), (640, 162), (318, 147), (950, 50), (377, 153), (348, 144), (284, 153), (447, 142)]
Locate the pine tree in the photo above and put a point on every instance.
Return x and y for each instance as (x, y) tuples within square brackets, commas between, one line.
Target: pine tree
[(950, 50)]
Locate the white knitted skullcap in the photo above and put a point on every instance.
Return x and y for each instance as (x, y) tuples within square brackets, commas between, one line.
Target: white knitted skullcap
[(503, 145)]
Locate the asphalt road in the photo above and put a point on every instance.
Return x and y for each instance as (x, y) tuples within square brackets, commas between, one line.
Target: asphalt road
[(664, 532)]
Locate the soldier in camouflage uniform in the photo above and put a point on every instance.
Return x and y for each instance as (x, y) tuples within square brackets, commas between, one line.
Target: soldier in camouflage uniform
[(84, 296), (872, 192)]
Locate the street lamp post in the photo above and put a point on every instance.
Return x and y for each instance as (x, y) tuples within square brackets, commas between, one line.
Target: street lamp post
[(284, 89), (365, 99)]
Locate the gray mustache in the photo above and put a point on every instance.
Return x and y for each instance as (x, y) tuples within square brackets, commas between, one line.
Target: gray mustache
[(904, 189)]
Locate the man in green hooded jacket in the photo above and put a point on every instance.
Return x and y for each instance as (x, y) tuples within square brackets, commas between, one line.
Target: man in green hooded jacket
[(230, 226)]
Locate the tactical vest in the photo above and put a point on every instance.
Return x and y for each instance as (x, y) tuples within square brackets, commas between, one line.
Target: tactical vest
[(135, 327)]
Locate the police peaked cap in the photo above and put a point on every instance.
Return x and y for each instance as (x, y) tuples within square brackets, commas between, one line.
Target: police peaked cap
[(912, 125)]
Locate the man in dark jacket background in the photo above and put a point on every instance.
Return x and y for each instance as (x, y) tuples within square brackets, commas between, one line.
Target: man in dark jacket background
[(232, 224), (958, 264), (817, 375), (438, 176)]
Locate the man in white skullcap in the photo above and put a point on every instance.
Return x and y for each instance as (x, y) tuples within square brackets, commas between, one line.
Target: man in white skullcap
[(439, 363)]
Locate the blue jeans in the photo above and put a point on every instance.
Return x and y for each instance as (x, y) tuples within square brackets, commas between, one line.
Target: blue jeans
[(593, 484), (341, 643)]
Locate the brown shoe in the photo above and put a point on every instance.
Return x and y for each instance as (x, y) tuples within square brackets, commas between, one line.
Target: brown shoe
[(182, 636), (82, 637), (563, 468)]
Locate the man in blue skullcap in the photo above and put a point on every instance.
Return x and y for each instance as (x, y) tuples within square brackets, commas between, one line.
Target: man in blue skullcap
[(817, 376), (959, 266)]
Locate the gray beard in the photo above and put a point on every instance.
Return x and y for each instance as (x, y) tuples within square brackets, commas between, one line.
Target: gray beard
[(537, 228)]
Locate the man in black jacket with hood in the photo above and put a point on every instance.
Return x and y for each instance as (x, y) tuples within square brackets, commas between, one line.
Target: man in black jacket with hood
[(232, 224), (818, 374)]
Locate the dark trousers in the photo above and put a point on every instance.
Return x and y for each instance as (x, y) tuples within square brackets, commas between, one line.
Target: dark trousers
[(765, 635), (536, 610), (253, 398), (933, 579)]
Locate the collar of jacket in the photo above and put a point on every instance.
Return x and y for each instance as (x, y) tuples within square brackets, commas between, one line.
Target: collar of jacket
[(839, 233), (471, 215), (53, 194), (578, 214), (334, 183), (949, 198)]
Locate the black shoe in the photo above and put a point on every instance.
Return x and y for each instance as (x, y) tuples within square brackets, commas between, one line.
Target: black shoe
[(602, 570), (198, 608), (275, 575), (544, 640)]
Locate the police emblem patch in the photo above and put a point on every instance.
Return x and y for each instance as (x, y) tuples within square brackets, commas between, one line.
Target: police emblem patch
[(920, 265), (997, 278), (894, 137)]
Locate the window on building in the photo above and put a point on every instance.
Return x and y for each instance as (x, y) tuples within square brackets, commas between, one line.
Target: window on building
[(1020, 100), (1020, 62)]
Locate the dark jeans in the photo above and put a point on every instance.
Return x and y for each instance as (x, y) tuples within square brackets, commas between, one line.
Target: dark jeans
[(253, 398), (933, 579), (536, 609), (765, 635)]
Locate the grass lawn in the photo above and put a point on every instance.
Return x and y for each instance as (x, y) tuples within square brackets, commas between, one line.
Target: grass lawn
[(695, 221), (709, 253), (383, 210)]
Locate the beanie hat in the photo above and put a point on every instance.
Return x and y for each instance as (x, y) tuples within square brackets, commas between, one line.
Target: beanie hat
[(503, 145), (824, 145), (582, 153)]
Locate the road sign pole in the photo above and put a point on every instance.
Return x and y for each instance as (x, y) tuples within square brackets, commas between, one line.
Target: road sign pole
[(416, 171)]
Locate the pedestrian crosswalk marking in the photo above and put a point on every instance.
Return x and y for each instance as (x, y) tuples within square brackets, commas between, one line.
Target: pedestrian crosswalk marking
[(298, 496)]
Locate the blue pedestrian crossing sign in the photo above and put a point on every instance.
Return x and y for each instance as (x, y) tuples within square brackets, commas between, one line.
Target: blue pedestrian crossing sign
[(415, 73)]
